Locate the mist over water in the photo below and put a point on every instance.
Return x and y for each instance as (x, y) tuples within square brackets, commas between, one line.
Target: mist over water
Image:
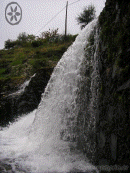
[(45, 139)]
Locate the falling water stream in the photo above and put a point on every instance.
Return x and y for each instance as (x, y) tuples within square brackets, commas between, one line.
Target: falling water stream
[(45, 139), (23, 86)]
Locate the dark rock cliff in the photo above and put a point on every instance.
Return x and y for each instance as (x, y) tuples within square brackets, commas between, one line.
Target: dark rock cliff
[(15, 105), (113, 125), (104, 123)]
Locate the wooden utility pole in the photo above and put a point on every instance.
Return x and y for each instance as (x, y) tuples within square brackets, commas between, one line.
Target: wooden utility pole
[(66, 19)]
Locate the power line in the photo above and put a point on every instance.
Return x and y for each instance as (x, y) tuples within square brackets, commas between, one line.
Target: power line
[(56, 16), (74, 2), (51, 19)]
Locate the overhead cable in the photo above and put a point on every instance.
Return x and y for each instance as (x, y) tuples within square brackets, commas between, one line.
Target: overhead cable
[(55, 16), (51, 20), (73, 2)]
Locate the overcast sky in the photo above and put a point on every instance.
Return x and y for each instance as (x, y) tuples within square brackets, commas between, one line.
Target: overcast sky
[(37, 13)]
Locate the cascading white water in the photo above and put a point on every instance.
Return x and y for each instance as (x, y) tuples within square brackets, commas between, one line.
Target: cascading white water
[(23, 86), (45, 141)]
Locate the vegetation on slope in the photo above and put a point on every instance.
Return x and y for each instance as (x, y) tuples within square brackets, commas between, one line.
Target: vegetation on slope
[(25, 56)]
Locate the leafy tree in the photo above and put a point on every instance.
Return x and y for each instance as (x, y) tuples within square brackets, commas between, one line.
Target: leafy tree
[(30, 38), (9, 44), (49, 34), (22, 37), (86, 16)]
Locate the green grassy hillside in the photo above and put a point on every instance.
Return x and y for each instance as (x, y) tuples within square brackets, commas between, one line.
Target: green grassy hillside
[(23, 57)]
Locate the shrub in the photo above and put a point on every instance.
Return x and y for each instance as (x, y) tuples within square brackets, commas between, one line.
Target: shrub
[(31, 38), (87, 16), (37, 43), (49, 34), (10, 44), (22, 37), (68, 37)]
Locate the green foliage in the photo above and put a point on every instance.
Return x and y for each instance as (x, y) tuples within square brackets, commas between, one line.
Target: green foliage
[(22, 37), (10, 44), (28, 54), (51, 34), (86, 16), (30, 38), (23, 40), (37, 43), (2, 71), (68, 37), (46, 37)]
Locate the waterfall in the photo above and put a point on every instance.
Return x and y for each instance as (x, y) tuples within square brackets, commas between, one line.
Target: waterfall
[(23, 86), (46, 139)]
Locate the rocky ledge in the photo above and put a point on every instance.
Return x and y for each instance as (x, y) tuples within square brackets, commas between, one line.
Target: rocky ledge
[(16, 104)]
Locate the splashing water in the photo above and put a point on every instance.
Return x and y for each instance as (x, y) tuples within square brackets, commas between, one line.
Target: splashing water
[(23, 86), (45, 140)]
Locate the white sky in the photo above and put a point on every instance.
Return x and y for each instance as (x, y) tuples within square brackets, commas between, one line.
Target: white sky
[(37, 13)]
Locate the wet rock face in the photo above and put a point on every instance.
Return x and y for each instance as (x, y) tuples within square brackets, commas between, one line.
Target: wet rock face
[(18, 104), (114, 118)]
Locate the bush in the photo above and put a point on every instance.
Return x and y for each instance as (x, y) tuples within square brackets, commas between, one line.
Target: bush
[(37, 43), (87, 16), (31, 38), (24, 40), (10, 44), (49, 34), (68, 37), (22, 37)]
